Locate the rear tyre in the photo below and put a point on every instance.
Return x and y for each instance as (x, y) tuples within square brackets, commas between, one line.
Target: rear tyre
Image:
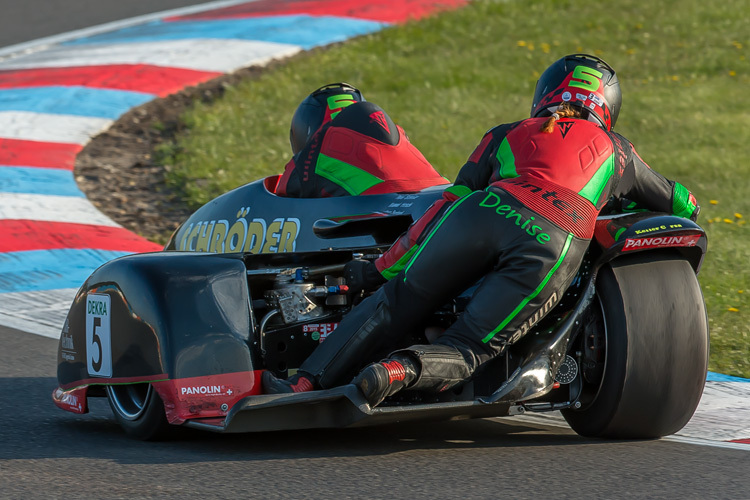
[(139, 410), (656, 358)]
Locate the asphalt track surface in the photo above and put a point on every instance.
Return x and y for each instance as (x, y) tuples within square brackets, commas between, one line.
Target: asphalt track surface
[(48, 453), (26, 20)]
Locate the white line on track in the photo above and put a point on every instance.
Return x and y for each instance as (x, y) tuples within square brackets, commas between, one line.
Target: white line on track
[(45, 127), (708, 442), (205, 54), (41, 313), (70, 209), (723, 413), (42, 43), (697, 431)]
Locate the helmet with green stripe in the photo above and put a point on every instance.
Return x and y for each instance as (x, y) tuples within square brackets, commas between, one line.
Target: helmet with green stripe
[(318, 108), (584, 81)]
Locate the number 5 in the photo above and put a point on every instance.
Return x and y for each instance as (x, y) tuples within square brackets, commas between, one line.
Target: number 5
[(97, 365), (590, 78)]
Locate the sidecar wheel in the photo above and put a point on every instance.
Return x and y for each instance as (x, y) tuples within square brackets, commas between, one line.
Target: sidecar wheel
[(656, 357), (139, 410)]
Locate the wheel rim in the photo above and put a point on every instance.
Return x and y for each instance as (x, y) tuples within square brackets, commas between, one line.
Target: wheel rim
[(129, 401), (590, 392)]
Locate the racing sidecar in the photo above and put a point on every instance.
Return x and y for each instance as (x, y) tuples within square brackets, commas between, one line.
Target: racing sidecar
[(253, 282)]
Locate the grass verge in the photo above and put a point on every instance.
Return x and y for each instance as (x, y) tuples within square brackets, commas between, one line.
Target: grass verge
[(683, 66)]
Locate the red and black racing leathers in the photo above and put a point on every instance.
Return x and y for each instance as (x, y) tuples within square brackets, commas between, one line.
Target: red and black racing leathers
[(518, 220), (361, 151)]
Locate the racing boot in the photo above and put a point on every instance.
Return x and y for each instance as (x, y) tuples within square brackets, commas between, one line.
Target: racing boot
[(386, 378), (299, 382), (441, 366), (432, 368)]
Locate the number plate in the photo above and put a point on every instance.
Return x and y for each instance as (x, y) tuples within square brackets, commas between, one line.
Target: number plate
[(98, 336)]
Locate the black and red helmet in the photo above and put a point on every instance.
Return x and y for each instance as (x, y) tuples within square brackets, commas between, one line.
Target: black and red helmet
[(584, 81), (318, 108)]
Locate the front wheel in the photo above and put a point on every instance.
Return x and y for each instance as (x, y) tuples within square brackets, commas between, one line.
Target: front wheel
[(656, 351), (139, 411)]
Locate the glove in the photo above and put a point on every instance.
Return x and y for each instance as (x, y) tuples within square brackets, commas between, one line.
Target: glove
[(362, 275)]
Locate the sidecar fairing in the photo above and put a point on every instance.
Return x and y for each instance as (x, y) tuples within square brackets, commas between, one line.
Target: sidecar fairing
[(252, 282), (182, 320), (187, 325), (251, 219), (196, 328)]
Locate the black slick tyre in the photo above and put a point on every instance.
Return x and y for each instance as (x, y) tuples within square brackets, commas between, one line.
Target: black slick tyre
[(139, 410), (657, 345)]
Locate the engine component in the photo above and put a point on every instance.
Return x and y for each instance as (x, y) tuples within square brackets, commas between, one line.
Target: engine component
[(293, 302), (297, 299)]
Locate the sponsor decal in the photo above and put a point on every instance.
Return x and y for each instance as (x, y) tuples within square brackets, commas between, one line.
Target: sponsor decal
[(206, 390), (72, 401), (565, 128), (379, 118), (551, 197), (534, 319), (658, 228), (98, 335), (598, 100), (319, 331), (661, 241), (493, 201), (649, 230), (67, 348), (566, 96), (582, 97), (210, 396), (244, 235), (66, 342)]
